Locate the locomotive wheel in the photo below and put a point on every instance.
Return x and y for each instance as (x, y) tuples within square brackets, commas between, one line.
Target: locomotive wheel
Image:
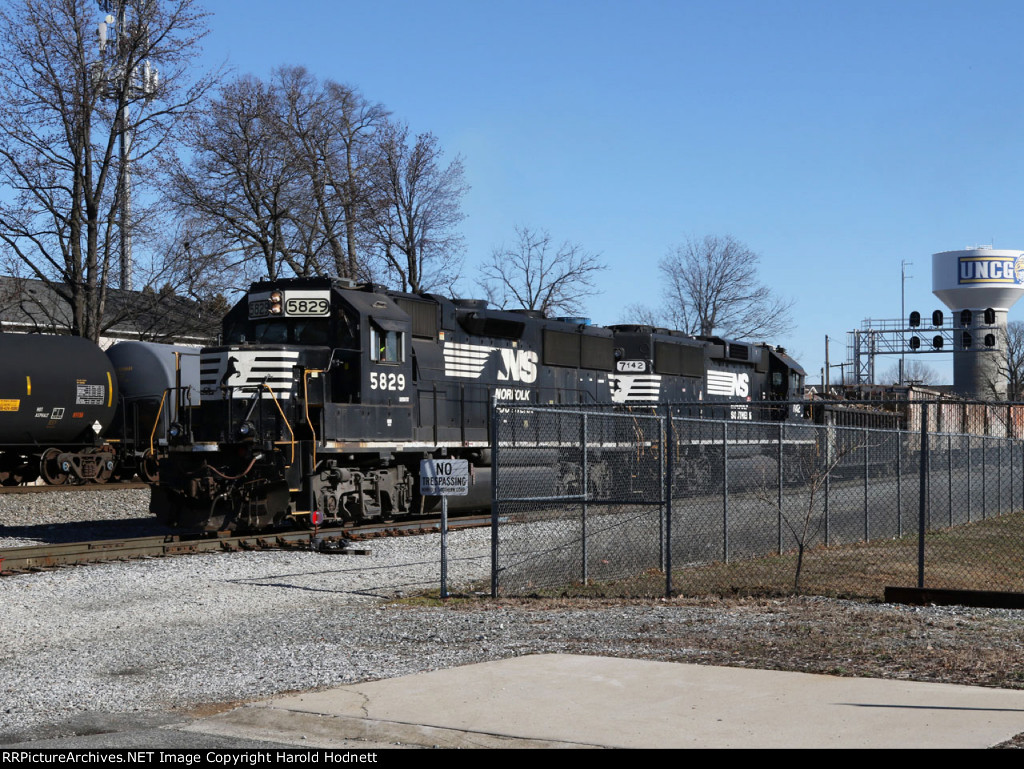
[(50, 469), (694, 474), (795, 469)]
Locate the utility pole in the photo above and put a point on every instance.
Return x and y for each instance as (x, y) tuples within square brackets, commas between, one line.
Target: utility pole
[(903, 312), (825, 380), (140, 79)]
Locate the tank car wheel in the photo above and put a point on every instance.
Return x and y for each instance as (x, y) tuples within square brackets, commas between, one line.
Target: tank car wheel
[(50, 468), (106, 463), (104, 473), (27, 473), (149, 468)]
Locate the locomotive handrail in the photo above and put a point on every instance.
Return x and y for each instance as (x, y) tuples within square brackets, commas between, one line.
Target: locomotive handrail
[(291, 443), (305, 400)]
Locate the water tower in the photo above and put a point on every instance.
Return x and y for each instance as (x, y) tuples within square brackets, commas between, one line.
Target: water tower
[(974, 283)]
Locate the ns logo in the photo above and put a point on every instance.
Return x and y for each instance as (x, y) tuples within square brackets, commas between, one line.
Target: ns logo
[(728, 383), (517, 365)]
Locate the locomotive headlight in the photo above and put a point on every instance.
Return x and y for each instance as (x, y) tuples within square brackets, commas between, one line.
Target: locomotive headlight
[(246, 429), (275, 303), (175, 430)]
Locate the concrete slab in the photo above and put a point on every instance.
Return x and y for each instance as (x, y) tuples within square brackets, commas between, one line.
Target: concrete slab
[(579, 702)]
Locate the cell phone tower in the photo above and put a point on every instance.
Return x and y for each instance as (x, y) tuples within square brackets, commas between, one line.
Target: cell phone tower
[(120, 72)]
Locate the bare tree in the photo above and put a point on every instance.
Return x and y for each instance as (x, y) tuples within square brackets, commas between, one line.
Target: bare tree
[(418, 206), (534, 275), (332, 129), (914, 372), (236, 194), (65, 103), (279, 176), (1012, 364), (803, 514), (641, 314), (712, 287)]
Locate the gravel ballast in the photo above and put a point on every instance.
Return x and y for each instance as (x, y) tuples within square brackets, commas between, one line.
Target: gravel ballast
[(157, 639)]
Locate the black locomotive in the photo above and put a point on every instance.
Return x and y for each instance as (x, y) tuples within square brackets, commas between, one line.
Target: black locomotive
[(325, 396)]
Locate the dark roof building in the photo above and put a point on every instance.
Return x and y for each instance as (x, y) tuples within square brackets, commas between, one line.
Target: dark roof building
[(33, 307)]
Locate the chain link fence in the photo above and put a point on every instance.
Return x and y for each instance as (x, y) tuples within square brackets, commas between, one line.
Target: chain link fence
[(721, 500)]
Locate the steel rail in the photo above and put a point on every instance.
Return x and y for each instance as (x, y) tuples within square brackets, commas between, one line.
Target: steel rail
[(18, 560)]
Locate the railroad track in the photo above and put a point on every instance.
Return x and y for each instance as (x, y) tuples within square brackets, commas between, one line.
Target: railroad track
[(42, 488), (348, 541)]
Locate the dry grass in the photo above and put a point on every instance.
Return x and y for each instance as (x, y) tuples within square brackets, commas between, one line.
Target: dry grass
[(986, 555)]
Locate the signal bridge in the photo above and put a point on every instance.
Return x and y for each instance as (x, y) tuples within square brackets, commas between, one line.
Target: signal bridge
[(964, 332)]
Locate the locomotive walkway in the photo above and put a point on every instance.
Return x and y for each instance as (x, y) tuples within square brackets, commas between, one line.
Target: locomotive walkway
[(569, 701)]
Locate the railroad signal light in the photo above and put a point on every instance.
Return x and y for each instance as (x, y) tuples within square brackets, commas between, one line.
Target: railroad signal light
[(965, 340), (990, 317), (937, 318), (915, 343), (965, 318), (915, 319), (990, 340), (937, 341)]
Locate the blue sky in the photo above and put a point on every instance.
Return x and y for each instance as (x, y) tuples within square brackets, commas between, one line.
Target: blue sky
[(834, 138)]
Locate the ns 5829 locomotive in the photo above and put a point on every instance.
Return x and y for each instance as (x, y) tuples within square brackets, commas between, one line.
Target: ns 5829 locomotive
[(325, 395)]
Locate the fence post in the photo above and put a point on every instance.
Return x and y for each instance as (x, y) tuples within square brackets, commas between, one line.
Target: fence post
[(867, 475), (999, 478), (725, 492), (984, 478), (923, 497), (782, 438), (669, 458), (1010, 444), (949, 476), (970, 464), (495, 461), (583, 491), (899, 483), (828, 488)]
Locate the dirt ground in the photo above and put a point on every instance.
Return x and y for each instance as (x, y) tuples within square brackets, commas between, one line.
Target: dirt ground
[(946, 644)]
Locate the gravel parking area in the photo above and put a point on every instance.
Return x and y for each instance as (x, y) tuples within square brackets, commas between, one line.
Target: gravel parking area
[(158, 639)]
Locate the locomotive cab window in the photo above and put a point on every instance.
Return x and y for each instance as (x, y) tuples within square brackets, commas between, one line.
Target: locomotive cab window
[(285, 331), (386, 346)]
